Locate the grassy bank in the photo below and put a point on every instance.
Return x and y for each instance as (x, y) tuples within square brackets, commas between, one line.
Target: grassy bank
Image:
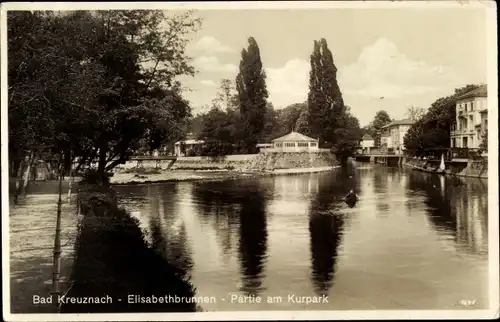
[(113, 259), (234, 166)]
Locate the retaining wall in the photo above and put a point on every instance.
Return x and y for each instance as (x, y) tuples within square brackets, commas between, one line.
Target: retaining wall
[(473, 168), (293, 160), (247, 162), (229, 162)]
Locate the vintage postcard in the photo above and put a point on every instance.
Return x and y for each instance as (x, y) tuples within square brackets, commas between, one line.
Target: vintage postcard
[(249, 160)]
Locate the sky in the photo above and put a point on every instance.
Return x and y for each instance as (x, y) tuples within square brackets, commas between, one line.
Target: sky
[(387, 59)]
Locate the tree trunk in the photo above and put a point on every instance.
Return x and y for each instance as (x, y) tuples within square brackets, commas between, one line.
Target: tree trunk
[(72, 179), (27, 174), (16, 165), (101, 169), (23, 176)]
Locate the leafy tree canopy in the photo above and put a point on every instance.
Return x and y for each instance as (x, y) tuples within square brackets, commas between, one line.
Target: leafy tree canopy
[(100, 93)]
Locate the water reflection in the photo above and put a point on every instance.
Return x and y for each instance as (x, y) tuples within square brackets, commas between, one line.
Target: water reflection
[(326, 223), (253, 239), (218, 206), (168, 231), (380, 185), (295, 234), (244, 204), (457, 207)]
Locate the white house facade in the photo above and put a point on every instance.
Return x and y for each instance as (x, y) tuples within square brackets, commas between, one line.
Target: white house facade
[(181, 148), (367, 143), (472, 119), (392, 139)]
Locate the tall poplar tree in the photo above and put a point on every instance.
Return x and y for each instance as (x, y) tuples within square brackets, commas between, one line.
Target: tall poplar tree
[(315, 98), (325, 103), (252, 96), (334, 112)]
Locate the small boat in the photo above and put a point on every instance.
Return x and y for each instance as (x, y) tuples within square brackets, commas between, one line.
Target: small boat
[(442, 167), (351, 198)]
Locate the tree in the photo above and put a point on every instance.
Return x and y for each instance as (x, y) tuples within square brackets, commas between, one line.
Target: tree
[(219, 127), (302, 124), (380, 120), (288, 117), (224, 97), (117, 73), (316, 100), (252, 95), (413, 139), (325, 102), (50, 82), (271, 124), (432, 131), (347, 137), (415, 113), (196, 125), (334, 114)]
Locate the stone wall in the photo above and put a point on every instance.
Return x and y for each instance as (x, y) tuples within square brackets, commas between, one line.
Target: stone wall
[(289, 160), (477, 169), (249, 162), (229, 162)]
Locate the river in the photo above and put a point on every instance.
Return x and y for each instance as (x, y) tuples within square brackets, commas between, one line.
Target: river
[(412, 241)]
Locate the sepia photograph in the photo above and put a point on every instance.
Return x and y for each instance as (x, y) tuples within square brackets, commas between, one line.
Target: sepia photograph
[(249, 160)]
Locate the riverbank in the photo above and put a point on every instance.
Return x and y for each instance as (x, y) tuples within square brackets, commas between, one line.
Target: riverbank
[(227, 167), (471, 169), (162, 176), (113, 260)]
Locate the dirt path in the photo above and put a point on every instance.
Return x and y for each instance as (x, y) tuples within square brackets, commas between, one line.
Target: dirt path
[(32, 229)]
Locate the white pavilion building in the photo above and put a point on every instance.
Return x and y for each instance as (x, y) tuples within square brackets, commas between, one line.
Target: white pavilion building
[(292, 142)]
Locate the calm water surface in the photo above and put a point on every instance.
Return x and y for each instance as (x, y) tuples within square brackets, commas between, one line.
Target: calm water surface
[(413, 241)]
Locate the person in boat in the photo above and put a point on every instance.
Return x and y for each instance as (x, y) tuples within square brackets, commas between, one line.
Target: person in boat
[(351, 198)]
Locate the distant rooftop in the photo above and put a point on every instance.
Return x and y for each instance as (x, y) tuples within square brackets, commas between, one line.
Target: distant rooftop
[(481, 91), (294, 137), (400, 122), (367, 137), (190, 141)]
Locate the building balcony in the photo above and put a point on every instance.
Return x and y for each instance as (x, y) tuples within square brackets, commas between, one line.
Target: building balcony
[(462, 132)]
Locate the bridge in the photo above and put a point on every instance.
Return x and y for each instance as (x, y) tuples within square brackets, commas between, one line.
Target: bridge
[(387, 159), (138, 158), (158, 159)]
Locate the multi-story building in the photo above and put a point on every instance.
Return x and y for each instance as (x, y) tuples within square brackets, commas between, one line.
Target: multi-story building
[(367, 143), (472, 119), (393, 135)]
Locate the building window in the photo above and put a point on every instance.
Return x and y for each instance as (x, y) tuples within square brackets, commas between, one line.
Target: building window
[(303, 144), (289, 145), (279, 145), (313, 145)]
